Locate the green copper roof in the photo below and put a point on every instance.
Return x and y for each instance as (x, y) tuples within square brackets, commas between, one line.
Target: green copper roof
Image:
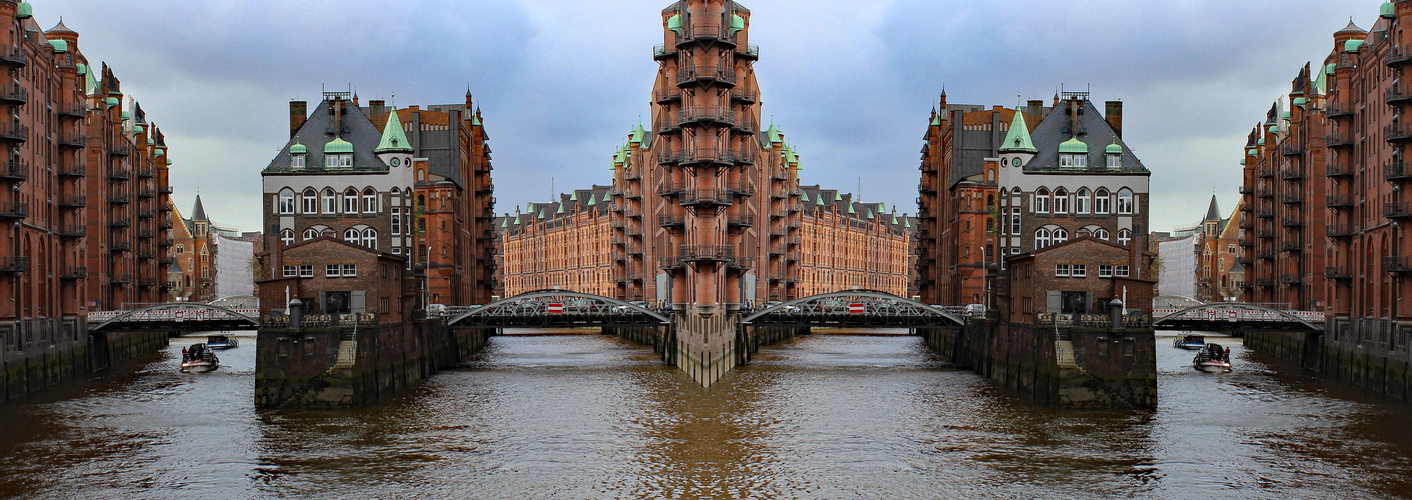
[(475, 119), (1017, 140), (638, 133), (906, 223), (91, 84), (1113, 149), (1274, 129), (60, 45), (1261, 141), (850, 209), (574, 196), (674, 23), (338, 145), (838, 196), (82, 69), (1299, 101), (541, 213), (504, 222), (1321, 84), (936, 119), (25, 10), (773, 134), (126, 115), (298, 149), (560, 210), (1073, 145), (737, 23), (1252, 152), (1242, 161), (1352, 45), (591, 201), (869, 212), (820, 200), (159, 153), (805, 197), (1329, 70), (151, 141), (1386, 10), (1284, 116), (111, 101), (169, 161), (394, 139), (137, 129)]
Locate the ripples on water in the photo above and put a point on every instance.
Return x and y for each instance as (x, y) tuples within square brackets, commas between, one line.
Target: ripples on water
[(823, 416)]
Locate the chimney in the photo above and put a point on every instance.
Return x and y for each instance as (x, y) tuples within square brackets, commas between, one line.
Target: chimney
[(376, 107), (1113, 112), (1073, 105), (298, 112), (336, 105), (1035, 107)]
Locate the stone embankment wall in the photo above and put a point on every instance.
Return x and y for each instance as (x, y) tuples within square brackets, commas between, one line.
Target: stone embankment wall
[(705, 369), (1071, 367), (38, 355), (328, 365), (1368, 353)]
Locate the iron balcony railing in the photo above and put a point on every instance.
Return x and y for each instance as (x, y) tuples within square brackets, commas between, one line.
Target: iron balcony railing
[(1397, 264), (14, 94), (1397, 209), (1291, 279), (72, 201), (715, 253), (71, 169), (1295, 198), (718, 74), (72, 140), (119, 199), (119, 173), (745, 96), (14, 263), (73, 230), (1291, 245), (77, 110), (14, 55), (13, 210), (1398, 94), (74, 273), (120, 278), (14, 132), (671, 221), (1397, 171), (1292, 222), (1397, 55), (120, 149), (1339, 169), (707, 196), (120, 246), (1337, 273), (664, 51), (1292, 147), (1397, 132), (14, 171), (740, 220), (120, 222), (1292, 173), (1339, 140), (1340, 231), (1340, 110), (706, 114), (1265, 172), (749, 51)]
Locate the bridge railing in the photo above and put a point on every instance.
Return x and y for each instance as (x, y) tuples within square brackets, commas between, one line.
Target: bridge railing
[(173, 314), (321, 320), (1234, 314), (1090, 320)]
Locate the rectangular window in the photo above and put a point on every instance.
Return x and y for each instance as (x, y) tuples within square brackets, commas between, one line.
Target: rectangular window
[(311, 205), (1121, 271), (1105, 270), (1041, 203), (296, 162), (1081, 204), (1080, 271), (350, 204), (306, 270), (1061, 204), (1015, 222), (291, 271), (396, 221), (1061, 270), (370, 203), (332, 270), (1100, 204), (1066, 161), (350, 270), (330, 161)]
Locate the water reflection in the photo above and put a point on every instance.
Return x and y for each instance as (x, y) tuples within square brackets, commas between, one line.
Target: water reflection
[(823, 416)]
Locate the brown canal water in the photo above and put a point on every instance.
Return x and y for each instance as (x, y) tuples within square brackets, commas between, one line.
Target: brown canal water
[(822, 416)]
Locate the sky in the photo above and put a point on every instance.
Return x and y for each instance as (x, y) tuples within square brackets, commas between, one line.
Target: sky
[(560, 83)]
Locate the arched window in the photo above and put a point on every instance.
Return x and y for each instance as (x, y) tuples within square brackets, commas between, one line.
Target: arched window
[(1124, 237), (1041, 238), (1101, 234), (350, 201), (370, 201), (351, 235), (370, 238), (1100, 202), (1125, 201), (1041, 201), (328, 201), (1081, 203), (310, 202), (422, 202), (1061, 201), (286, 237), (1059, 235), (286, 201), (311, 233)]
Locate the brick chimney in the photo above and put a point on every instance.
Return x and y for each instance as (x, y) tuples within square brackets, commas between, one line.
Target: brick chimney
[(1113, 112), (1035, 107), (298, 112), (376, 107)]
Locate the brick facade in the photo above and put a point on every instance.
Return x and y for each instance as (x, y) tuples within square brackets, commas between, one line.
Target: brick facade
[(317, 272)]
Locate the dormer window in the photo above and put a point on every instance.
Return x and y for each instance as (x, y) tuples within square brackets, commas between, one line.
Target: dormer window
[(335, 161), (296, 162), (1114, 163), (1073, 161)]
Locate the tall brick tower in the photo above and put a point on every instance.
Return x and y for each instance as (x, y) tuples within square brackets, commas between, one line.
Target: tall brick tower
[(706, 170)]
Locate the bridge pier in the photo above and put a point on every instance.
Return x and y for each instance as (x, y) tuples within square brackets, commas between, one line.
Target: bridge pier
[(1079, 365), (331, 363)]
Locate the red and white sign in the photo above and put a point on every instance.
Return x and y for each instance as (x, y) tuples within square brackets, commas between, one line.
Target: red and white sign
[(855, 308), (555, 308)]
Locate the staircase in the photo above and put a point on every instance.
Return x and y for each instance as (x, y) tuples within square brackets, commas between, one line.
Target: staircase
[(1064, 350), (347, 350)]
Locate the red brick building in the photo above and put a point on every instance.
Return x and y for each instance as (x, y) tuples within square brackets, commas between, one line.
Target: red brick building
[(994, 188), (83, 189), (1079, 276), (418, 187), (332, 276)]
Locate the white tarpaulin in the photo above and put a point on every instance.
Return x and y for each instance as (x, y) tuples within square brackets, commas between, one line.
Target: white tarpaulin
[(234, 272), (1177, 274)]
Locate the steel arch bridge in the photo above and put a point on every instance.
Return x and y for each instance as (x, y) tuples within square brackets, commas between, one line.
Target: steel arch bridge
[(557, 308), (856, 308), (1219, 316), (1175, 302), (179, 315)]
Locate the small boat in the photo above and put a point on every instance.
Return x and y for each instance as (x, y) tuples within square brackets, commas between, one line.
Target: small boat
[(1190, 342), (1212, 359), (199, 359), (221, 342)]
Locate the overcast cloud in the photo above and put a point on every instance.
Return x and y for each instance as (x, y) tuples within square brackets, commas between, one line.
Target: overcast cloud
[(561, 82)]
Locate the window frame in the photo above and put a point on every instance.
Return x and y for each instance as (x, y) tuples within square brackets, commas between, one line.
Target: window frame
[(1078, 271), (291, 271), (1061, 271), (306, 270), (332, 270)]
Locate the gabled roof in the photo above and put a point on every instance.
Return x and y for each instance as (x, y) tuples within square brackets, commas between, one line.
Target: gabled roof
[(320, 130), (335, 239), (1093, 130)]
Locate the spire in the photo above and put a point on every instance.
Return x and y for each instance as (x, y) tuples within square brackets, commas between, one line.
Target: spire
[(1017, 140), (1213, 213), (198, 212), (394, 140)]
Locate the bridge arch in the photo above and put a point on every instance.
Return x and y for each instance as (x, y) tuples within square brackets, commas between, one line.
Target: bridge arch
[(559, 294), (140, 312), (1240, 306), (1175, 301), (925, 309), (238, 301)]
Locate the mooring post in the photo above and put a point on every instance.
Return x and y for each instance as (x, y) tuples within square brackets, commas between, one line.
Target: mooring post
[(296, 313)]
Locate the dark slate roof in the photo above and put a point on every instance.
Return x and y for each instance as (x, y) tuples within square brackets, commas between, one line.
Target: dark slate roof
[(319, 130), (199, 213), (1094, 131), (1213, 213)]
